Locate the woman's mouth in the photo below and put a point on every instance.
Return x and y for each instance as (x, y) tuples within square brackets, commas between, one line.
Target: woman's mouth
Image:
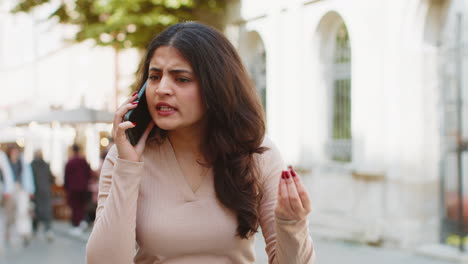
[(164, 109)]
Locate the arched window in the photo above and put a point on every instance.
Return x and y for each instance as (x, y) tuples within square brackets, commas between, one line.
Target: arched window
[(257, 69), (253, 52), (340, 138)]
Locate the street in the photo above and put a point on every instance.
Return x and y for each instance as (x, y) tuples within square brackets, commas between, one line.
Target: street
[(334, 252), (71, 250), (62, 250)]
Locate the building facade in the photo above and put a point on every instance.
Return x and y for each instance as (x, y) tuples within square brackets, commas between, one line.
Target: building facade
[(42, 70), (362, 95)]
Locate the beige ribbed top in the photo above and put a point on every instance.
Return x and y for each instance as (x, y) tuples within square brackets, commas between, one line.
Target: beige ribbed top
[(147, 213)]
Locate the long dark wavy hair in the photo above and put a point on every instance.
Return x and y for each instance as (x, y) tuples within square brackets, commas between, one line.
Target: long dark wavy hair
[(235, 123)]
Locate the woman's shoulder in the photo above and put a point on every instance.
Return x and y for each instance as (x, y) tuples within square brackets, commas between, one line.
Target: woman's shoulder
[(271, 155)]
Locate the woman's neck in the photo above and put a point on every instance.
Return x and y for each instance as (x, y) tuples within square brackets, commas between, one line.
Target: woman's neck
[(186, 141)]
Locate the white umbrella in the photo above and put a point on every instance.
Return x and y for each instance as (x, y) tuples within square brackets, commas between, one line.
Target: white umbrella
[(73, 116)]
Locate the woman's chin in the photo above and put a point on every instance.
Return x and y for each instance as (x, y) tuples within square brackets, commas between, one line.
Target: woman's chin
[(165, 126)]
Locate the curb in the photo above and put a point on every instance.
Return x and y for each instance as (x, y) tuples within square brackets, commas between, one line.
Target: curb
[(443, 252)]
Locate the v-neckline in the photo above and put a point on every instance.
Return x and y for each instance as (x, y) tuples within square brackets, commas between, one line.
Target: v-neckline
[(182, 181)]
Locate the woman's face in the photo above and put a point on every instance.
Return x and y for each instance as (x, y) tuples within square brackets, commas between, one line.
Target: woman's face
[(173, 94)]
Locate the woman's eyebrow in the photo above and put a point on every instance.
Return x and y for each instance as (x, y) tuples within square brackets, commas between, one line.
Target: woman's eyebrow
[(180, 71), (172, 71), (155, 69)]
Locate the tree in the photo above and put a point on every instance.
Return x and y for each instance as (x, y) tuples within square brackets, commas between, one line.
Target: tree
[(124, 24)]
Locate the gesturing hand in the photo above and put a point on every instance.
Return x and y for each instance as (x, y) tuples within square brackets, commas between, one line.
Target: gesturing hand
[(293, 199), (125, 150)]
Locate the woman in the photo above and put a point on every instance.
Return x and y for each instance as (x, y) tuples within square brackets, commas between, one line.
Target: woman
[(197, 186), (43, 181), (17, 203)]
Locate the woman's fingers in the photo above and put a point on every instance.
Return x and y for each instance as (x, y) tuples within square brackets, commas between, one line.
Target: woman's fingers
[(301, 190), (142, 142), (126, 125), (124, 148), (130, 99), (128, 104), (294, 199), (280, 185), (119, 114), (284, 197), (289, 204), (120, 132)]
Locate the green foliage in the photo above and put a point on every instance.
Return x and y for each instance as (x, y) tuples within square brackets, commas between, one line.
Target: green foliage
[(127, 23)]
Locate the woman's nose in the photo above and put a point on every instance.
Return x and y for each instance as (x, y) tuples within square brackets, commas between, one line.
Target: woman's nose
[(164, 87)]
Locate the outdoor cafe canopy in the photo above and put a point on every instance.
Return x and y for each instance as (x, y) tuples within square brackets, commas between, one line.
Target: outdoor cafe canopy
[(74, 116)]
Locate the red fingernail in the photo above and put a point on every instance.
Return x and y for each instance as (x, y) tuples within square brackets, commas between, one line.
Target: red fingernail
[(134, 123), (287, 174), (134, 103), (135, 93), (293, 173), (283, 175)]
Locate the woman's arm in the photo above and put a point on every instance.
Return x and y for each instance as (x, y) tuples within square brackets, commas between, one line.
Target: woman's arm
[(287, 242), (113, 237)]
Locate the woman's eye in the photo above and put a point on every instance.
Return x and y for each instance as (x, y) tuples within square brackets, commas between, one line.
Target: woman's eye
[(154, 77), (184, 80)]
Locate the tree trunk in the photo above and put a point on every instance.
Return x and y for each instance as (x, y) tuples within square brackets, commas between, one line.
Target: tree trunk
[(116, 78)]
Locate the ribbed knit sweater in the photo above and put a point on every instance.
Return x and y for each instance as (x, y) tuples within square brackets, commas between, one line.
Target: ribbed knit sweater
[(147, 213)]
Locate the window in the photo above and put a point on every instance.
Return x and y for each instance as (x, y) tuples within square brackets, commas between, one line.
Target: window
[(339, 147), (258, 72)]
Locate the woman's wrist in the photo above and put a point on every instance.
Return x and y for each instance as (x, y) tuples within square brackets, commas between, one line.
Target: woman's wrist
[(285, 221), (128, 160), (128, 167)]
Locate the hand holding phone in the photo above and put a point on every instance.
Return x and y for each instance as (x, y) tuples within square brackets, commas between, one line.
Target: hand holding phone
[(136, 118), (139, 115)]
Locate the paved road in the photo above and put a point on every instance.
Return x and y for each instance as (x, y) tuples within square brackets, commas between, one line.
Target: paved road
[(62, 250), (335, 252), (71, 251), (66, 249), (332, 252)]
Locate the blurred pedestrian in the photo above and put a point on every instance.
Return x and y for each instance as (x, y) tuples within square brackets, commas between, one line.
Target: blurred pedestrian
[(6, 177), (77, 175), (93, 188), (6, 181), (43, 180), (18, 197)]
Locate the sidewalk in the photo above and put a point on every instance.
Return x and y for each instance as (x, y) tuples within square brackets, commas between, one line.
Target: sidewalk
[(330, 251), (62, 228)]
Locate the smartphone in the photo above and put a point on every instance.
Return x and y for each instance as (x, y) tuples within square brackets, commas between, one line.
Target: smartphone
[(139, 115)]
